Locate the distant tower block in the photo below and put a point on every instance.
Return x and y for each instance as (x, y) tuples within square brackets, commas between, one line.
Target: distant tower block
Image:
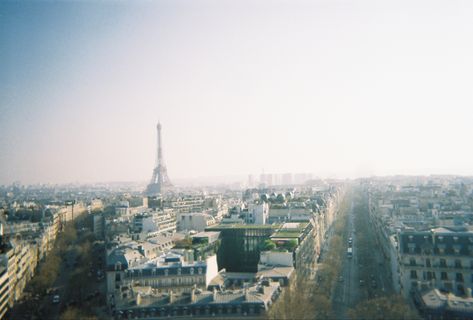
[(160, 180)]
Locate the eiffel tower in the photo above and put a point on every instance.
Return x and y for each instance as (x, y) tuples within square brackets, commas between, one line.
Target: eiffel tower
[(159, 180)]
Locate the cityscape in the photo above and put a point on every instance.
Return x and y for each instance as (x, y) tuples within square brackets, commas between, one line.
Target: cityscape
[(207, 160)]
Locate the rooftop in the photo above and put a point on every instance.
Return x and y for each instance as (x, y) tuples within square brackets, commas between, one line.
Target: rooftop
[(243, 226), (434, 299)]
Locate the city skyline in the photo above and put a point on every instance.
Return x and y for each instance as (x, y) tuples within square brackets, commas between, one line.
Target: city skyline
[(334, 88)]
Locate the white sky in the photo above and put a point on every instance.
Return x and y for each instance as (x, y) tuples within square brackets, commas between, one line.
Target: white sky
[(341, 88)]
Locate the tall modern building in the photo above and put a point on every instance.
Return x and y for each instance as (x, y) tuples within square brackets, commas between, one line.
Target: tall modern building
[(159, 180)]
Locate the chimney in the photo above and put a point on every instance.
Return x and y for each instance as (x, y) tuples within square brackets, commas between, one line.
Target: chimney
[(171, 296), (468, 292), (193, 294), (245, 290), (215, 294)]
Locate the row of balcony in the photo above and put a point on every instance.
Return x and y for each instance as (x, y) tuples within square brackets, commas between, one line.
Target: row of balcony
[(438, 267)]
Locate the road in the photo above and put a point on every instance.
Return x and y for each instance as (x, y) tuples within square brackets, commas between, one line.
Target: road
[(362, 276), (347, 291)]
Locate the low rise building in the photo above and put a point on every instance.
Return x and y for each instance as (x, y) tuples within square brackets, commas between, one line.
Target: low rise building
[(197, 221)]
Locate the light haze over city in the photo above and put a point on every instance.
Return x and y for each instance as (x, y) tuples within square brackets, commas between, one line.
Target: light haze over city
[(335, 88)]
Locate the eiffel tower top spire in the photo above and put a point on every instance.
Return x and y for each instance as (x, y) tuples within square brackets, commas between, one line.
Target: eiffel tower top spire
[(159, 155), (159, 179)]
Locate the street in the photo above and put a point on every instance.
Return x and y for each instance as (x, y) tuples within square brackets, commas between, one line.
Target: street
[(363, 275)]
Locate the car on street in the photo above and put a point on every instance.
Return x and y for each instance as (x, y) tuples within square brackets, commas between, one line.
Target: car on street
[(56, 299)]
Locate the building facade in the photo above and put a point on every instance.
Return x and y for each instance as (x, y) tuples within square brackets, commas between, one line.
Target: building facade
[(439, 258)]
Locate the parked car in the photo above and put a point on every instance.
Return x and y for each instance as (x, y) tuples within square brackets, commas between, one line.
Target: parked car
[(56, 299)]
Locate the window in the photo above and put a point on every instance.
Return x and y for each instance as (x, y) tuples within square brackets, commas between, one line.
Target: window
[(458, 263), (459, 277), (448, 286), (456, 248), (192, 271), (443, 263), (412, 262), (413, 274), (443, 275), (427, 263)]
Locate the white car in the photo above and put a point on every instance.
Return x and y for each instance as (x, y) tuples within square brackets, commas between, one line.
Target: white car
[(56, 299)]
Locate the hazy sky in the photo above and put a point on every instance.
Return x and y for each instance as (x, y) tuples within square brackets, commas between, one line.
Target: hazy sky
[(331, 87)]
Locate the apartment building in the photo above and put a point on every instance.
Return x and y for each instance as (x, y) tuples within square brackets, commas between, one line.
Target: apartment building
[(4, 289), (257, 213), (437, 258), (154, 222)]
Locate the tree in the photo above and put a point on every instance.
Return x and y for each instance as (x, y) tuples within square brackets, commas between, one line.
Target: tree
[(323, 306), (393, 307), (72, 313), (268, 245), (290, 245), (185, 243)]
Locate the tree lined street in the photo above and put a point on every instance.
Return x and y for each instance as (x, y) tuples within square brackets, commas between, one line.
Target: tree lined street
[(346, 287), (67, 285)]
